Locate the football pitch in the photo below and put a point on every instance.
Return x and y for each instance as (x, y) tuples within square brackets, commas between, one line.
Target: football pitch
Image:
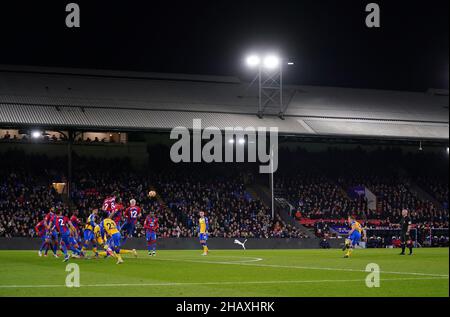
[(233, 273)]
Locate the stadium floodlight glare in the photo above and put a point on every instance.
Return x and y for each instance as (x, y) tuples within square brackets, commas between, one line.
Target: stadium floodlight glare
[(271, 62), (269, 79), (253, 61), (231, 141), (242, 141), (36, 134)]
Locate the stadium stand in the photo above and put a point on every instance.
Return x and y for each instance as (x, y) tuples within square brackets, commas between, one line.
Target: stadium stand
[(26, 196), (321, 188), (321, 203)]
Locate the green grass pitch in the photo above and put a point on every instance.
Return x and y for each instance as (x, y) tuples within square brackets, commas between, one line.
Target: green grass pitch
[(237, 273)]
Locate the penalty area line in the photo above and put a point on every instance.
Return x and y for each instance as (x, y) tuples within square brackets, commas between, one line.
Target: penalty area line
[(243, 261), (225, 283)]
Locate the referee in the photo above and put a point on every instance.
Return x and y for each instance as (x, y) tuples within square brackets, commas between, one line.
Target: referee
[(405, 225)]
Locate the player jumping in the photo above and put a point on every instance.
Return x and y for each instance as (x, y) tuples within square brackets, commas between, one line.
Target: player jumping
[(131, 214), (116, 213), (109, 204)]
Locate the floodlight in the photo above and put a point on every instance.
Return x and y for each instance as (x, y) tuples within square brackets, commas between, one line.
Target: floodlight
[(36, 134), (253, 61), (271, 62)]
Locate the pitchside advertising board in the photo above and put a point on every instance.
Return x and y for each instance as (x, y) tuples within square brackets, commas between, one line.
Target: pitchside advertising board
[(341, 230), (358, 191)]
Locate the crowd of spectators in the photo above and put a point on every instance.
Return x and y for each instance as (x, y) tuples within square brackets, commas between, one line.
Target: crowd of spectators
[(436, 188), (232, 211), (24, 137), (25, 192), (316, 186), (94, 180), (52, 136), (319, 188), (316, 197)]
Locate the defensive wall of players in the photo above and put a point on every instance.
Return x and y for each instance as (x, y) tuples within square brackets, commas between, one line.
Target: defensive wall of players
[(188, 244)]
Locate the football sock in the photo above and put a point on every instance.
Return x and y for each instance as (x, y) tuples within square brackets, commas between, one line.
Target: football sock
[(64, 248), (75, 250), (44, 244), (346, 245), (124, 251), (112, 253)]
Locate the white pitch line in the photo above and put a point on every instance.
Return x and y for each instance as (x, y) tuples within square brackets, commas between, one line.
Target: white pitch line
[(249, 260), (225, 283), (302, 267)]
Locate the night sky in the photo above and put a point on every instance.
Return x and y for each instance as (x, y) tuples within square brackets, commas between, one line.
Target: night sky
[(328, 40)]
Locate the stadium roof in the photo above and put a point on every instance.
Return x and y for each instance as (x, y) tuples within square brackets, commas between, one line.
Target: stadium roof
[(93, 99)]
